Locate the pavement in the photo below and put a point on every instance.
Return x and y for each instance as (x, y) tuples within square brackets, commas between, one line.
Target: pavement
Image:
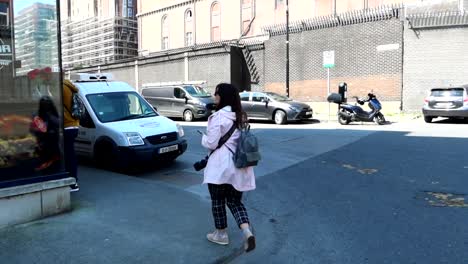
[(326, 193)]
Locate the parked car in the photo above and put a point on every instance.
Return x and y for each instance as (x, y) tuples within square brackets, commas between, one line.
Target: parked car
[(272, 106), (120, 127), (449, 102), (187, 100)]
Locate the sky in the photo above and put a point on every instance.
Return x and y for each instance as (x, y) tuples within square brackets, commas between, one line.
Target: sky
[(21, 4)]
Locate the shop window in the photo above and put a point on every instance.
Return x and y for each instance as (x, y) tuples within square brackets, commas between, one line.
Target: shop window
[(30, 95)]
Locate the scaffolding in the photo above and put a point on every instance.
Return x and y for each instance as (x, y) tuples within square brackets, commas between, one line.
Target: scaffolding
[(97, 41)]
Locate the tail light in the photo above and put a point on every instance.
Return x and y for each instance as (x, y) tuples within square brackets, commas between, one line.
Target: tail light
[(426, 101), (465, 101)]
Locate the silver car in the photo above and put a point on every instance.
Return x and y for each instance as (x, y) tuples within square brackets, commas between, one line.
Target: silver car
[(272, 106), (449, 102)]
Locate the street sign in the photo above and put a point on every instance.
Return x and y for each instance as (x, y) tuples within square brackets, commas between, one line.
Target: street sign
[(329, 59)]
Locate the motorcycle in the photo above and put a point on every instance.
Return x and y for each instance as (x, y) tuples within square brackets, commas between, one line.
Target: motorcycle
[(354, 113)]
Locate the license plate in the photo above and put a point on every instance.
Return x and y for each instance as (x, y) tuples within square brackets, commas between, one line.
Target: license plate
[(309, 113), (168, 149), (444, 104)]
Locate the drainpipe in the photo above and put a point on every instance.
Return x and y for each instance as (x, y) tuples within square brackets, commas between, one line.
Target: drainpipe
[(194, 22)]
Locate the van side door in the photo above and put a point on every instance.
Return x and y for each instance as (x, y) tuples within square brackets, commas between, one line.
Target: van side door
[(179, 102), (84, 142)]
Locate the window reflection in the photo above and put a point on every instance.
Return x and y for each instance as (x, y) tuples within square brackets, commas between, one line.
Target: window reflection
[(30, 91)]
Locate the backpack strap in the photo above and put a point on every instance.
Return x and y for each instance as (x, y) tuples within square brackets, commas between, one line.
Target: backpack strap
[(225, 138)]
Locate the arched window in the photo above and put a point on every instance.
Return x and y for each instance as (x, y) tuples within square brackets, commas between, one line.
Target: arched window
[(188, 27), (164, 33), (247, 13), (215, 22)]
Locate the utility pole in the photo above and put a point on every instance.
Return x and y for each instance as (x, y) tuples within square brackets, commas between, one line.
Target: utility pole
[(287, 48)]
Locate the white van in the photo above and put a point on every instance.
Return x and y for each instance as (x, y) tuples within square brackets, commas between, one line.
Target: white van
[(120, 127)]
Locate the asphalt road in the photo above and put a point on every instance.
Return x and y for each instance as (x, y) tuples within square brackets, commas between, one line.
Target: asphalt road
[(325, 194)]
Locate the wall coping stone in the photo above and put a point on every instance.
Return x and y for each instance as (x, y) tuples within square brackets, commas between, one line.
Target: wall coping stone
[(35, 187)]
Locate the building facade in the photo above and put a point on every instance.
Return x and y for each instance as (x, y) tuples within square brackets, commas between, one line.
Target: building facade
[(98, 32), (172, 24)]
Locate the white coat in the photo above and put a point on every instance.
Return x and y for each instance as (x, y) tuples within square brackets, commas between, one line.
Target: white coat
[(220, 168)]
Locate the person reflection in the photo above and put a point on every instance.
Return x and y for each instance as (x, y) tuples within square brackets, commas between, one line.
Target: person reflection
[(45, 127)]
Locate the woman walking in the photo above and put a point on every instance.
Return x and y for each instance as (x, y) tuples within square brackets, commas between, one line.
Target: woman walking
[(227, 183)]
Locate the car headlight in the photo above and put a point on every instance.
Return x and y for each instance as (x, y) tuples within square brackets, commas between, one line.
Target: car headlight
[(201, 104), (134, 139), (180, 130), (295, 109)]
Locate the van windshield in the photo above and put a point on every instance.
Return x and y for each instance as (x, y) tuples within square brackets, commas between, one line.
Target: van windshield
[(196, 91), (112, 107)]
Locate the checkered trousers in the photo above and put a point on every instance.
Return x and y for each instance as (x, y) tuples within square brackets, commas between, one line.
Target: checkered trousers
[(226, 194)]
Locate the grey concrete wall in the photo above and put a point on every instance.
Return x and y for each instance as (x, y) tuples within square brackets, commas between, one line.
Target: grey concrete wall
[(26, 203), (125, 74), (214, 69), (357, 60), (170, 70), (433, 57)]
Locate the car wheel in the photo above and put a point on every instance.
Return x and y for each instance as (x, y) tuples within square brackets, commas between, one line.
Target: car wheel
[(380, 119), (188, 116), (280, 117), (428, 119)]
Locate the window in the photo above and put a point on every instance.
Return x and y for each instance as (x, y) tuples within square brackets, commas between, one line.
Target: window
[(278, 3), (245, 97), (188, 39), (164, 33), (178, 93), (215, 22), (188, 27), (246, 17), (258, 97)]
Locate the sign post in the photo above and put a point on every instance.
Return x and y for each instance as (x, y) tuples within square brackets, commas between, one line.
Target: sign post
[(328, 63)]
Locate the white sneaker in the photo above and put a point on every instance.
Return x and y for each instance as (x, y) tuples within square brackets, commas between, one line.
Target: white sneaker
[(218, 237)]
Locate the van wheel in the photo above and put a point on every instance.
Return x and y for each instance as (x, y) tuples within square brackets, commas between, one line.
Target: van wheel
[(105, 154), (188, 116), (280, 117), (428, 119)]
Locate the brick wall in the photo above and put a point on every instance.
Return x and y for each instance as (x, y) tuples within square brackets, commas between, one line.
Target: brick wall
[(433, 57), (358, 61)]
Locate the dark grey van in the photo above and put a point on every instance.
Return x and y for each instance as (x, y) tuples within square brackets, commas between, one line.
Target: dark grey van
[(187, 100)]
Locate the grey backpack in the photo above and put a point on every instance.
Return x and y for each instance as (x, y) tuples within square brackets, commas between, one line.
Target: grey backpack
[(247, 153)]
